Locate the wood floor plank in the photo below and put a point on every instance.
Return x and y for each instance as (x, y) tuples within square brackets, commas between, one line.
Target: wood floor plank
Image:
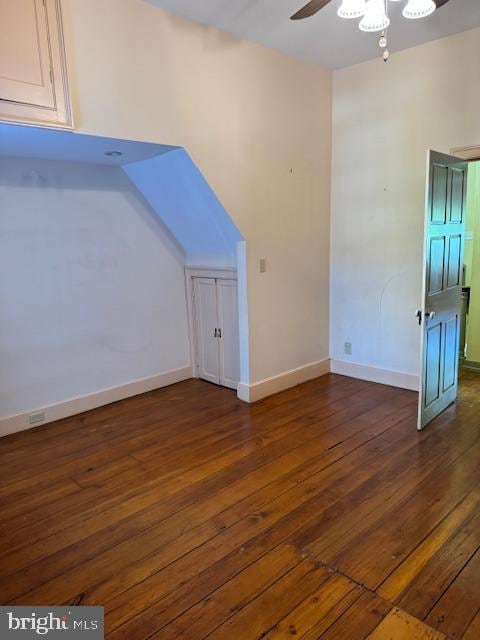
[(150, 588), (319, 611), (407, 572), (257, 618), (65, 582), (398, 625), (456, 609), (359, 620), (319, 512), (141, 571), (300, 495), (442, 568), (326, 395), (234, 595), (136, 504), (473, 630), (370, 541), (358, 510)]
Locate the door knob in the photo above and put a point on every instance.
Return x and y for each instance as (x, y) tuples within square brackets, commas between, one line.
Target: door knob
[(429, 315)]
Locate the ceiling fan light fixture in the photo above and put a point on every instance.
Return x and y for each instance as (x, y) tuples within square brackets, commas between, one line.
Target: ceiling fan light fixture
[(419, 9), (375, 18), (352, 9)]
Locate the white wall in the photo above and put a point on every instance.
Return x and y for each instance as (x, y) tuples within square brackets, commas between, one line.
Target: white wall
[(257, 124), (386, 116), (92, 291)]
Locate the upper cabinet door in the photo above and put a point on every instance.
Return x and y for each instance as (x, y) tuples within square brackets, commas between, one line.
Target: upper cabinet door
[(33, 83), (25, 60)]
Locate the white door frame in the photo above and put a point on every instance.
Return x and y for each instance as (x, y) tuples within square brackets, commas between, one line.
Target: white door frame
[(466, 153), (471, 154), (220, 273)]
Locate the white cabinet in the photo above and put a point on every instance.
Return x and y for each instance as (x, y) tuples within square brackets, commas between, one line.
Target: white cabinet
[(33, 79), (216, 331)]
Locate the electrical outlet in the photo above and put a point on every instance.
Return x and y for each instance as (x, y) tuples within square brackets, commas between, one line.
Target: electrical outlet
[(36, 418), (348, 348), (263, 265)]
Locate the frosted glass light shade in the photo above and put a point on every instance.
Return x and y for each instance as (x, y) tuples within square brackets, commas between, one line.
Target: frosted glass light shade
[(352, 9), (375, 18), (419, 9)]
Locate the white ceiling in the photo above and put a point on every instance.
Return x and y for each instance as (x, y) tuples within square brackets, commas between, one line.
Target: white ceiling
[(324, 38)]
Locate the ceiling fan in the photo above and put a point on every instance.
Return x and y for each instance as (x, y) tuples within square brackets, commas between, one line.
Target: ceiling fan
[(373, 14), (314, 6)]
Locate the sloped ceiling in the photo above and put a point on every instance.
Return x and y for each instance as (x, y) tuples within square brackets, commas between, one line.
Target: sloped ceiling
[(166, 176), (177, 191)]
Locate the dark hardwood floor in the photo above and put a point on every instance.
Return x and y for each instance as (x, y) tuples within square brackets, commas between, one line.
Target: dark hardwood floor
[(317, 513)]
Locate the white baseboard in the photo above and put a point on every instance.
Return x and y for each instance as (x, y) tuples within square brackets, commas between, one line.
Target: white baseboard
[(264, 388), (376, 374), (71, 407)]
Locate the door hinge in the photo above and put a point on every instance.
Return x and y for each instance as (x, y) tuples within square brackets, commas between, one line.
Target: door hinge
[(51, 75)]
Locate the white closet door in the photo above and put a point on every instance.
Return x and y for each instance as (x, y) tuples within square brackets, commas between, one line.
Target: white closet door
[(207, 328), (25, 54), (228, 325)]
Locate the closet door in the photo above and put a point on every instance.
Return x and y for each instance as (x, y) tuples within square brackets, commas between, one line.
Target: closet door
[(25, 53), (206, 321), (228, 328), (33, 82)]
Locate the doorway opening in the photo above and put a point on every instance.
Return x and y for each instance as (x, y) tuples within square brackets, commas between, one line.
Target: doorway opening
[(469, 351)]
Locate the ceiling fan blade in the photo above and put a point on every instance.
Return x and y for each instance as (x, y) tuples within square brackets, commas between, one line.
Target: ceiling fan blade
[(440, 3), (311, 9)]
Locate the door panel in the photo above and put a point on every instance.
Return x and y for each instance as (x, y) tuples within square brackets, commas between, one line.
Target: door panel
[(439, 194), (436, 265), (451, 353), (457, 199), (433, 351), (454, 267), (444, 244), (206, 321), (229, 341), (25, 54)]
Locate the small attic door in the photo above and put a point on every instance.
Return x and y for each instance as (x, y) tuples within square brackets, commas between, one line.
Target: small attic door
[(215, 330)]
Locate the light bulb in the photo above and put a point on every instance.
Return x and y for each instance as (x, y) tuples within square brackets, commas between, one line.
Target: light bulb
[(352, 9), (382, 43), (386, 55), (419, 9), (375, 18)]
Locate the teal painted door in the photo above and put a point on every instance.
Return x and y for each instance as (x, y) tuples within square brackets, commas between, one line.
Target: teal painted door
[(444, 244)]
